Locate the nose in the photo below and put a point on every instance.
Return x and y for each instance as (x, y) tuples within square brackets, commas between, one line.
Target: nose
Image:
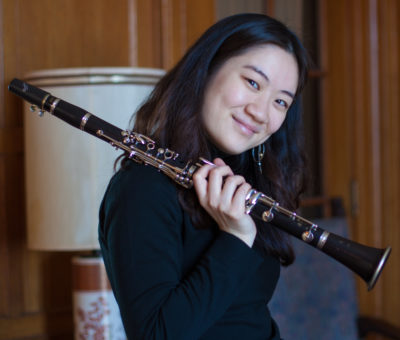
[(258, 110)]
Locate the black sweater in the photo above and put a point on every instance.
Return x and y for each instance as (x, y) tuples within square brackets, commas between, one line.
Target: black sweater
[(173, 281)]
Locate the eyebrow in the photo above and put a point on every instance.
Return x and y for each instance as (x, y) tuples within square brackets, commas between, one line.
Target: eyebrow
[(262, 74)]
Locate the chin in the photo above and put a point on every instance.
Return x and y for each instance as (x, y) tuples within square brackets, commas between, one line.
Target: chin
[(231, 146), (233, 152)]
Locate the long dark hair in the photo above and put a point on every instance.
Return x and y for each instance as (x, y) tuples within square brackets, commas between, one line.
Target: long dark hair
[(171, 117)]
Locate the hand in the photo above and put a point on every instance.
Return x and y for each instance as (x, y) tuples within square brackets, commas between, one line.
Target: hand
[(222, 194)]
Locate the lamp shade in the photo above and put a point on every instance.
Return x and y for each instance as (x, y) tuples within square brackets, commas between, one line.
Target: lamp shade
[(67, 170)]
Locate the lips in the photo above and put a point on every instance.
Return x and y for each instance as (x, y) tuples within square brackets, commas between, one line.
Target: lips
[(246, 127)]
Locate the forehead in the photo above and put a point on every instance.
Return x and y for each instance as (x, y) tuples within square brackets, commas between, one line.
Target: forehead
[(264, 52), (279, 65)]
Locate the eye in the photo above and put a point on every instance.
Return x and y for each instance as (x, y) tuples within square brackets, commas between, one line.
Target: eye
[(282, 103), (253, 83)]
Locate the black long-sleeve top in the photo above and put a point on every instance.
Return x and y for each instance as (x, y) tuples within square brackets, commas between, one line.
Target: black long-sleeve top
[(173, 281)]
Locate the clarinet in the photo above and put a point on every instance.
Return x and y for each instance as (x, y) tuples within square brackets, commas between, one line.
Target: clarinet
[(365, 261)]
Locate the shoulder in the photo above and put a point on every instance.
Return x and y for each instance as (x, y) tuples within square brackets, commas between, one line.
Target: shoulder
[(140, 195), (139, 178), (141, 188)]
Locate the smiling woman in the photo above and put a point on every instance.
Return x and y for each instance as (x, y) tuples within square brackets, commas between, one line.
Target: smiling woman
[(191, 264), (246, 101)]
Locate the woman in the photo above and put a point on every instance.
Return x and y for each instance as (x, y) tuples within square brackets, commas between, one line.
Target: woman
[(190, 264)]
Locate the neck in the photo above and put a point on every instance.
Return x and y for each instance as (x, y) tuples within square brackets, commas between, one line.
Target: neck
[(238, 163)]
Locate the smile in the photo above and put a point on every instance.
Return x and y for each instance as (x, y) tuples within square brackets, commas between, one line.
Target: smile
[(248, 129)]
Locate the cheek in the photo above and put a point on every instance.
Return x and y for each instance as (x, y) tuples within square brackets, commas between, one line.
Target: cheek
[(277, 122), (210, 105), (237, 97), (230, 92)]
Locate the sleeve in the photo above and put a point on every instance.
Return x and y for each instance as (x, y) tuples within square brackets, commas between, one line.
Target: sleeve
[(142, 246)]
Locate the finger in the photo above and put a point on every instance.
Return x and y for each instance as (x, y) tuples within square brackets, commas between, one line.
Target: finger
[(200, 181), (202, 172), (231, 185), (218, 161), (216, 178), (239, 198)]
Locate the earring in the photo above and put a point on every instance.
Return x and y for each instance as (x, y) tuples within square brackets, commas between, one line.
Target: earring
[(258, 155)]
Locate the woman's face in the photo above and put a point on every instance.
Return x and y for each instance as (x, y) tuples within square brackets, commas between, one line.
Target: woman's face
[(247, 99)]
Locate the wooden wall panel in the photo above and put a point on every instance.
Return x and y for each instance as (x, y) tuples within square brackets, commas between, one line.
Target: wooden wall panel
[(181, 26), (15, 233), (195, 27), (361, 131), (167, 28), (336, 129), (71, 33), (149, 33), (365, 154), (35, 287), (3, 243), (388, 16), (3, 226)]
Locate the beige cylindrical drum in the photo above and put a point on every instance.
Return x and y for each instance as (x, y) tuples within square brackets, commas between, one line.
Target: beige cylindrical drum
[(96, 313), (67, 170)]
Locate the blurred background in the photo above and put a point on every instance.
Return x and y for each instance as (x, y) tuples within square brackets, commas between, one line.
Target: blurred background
[(352, 122)]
